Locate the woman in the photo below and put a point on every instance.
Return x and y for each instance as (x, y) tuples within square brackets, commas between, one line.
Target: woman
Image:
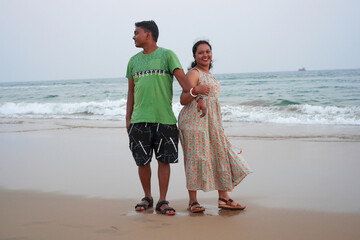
[(210, 161)]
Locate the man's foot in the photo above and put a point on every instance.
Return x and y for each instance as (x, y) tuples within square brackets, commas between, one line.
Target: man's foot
[(146, 203), (195, 207), (164, 208), (229, 204)]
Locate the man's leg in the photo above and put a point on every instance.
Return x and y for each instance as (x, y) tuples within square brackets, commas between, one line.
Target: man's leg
[(166, 152), (164, 177), (140, 146), (145, 178)]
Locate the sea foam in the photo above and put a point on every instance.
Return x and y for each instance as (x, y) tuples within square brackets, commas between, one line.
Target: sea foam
[(116, 110), (299, 114), (87, 110)]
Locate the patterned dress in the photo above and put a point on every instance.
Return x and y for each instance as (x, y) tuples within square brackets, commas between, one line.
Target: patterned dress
[(211, 163)]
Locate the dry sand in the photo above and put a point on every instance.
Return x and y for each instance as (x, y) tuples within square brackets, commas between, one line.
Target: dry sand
[(75, 179)]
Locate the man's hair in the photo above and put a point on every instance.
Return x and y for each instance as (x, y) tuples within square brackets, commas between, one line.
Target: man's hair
[(149, 26)]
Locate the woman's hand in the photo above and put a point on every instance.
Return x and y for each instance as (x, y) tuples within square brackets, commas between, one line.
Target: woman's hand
[(201, 106), (201, 89)]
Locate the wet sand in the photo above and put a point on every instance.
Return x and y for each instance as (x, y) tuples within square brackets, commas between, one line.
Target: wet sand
[(75, 179), (29, 215)]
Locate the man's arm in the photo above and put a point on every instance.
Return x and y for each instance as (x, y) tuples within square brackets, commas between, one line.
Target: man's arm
[(130, 101), (183, 80)]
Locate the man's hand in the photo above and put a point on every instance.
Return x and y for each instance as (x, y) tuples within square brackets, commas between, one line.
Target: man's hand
[(127, 124), (201, 106)]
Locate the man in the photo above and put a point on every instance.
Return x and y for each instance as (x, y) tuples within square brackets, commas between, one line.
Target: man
[(150, 120)]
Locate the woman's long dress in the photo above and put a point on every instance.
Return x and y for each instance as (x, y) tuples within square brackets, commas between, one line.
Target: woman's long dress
[(211, 163)]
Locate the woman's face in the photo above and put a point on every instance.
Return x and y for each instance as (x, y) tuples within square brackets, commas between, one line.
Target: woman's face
[(203, 55)]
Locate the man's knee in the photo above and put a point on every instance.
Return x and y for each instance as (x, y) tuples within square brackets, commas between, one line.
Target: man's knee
[(144, 169), (162, 164)]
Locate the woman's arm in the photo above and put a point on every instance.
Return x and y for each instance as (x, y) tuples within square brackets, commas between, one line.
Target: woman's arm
[(201, 107), (193, 76)]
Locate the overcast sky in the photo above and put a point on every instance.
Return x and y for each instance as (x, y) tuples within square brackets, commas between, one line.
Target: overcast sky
[(77, 39)]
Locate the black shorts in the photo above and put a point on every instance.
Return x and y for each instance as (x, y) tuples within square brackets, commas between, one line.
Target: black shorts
[(163, 139)]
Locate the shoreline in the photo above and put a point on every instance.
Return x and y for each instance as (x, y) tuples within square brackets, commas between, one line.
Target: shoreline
[(241, 130)]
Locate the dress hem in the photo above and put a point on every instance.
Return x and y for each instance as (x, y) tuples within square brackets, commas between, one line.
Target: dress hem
[(227, 190)]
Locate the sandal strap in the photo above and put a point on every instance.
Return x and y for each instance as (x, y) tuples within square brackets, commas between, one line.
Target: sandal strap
[(145, 206), (159, 204), (149, 200), (167, 209), (228, 202), (194, 203)]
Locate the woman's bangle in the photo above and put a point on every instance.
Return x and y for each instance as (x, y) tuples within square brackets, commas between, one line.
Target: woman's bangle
[(198, 97), (192, 93)]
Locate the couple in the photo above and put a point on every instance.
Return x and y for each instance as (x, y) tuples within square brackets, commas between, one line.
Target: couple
[(210, 161)]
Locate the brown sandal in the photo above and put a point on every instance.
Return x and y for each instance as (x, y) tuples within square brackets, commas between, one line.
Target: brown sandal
[(228, 205), (195, 209)]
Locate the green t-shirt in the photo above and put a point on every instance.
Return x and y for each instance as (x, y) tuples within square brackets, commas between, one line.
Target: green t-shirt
[(153, 78)]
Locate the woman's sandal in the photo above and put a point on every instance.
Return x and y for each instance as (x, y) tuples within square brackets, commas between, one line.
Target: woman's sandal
[(228, 205), (195, 209), (144, 205), (165, 211)]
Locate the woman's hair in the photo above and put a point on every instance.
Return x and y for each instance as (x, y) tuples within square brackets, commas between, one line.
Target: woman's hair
[(149, 26), (196, 45)]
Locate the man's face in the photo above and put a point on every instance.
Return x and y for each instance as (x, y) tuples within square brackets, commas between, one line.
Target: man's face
[(140, 36)]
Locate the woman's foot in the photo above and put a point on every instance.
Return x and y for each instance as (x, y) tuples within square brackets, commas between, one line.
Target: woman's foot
[(164, 208), (145, 203), (229, 204), (195, 207)]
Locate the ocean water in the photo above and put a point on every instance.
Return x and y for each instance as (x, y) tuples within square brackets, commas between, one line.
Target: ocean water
[(299, 97)]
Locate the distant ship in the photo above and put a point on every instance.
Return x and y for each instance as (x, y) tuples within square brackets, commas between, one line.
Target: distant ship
[(302, 69)]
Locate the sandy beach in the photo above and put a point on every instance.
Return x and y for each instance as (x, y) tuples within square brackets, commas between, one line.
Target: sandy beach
[(76, 179)]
